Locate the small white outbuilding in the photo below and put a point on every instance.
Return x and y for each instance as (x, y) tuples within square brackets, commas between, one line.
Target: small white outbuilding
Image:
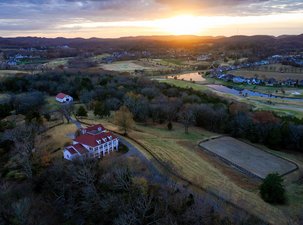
[(63, 98)]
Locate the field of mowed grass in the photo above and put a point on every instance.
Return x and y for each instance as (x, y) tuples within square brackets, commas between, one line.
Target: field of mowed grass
[(185, 84), (278, 106), (178, 150)]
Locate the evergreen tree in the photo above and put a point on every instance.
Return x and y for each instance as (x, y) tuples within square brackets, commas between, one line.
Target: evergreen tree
[(81, 111), (272, 189)]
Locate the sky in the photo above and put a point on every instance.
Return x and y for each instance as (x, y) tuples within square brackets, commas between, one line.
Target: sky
[(118, 18)]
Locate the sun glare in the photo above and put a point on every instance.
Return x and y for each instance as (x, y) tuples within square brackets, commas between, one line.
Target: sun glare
[(181, 25)]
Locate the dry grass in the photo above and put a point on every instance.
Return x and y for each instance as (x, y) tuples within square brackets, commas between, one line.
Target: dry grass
[(174, 147), (56, 138)]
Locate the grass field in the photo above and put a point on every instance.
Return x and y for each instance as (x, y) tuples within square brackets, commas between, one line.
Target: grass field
[(182, 155), (100, 57), (6, 73), (57, 62), (185, 84), (248, 157), (51, 104)]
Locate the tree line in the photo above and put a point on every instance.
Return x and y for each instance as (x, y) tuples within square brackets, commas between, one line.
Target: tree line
[(152, 100)]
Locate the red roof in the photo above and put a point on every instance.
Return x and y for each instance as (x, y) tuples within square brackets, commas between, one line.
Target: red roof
[(74, 149), (94, 128), (92, 140), (60, 95)]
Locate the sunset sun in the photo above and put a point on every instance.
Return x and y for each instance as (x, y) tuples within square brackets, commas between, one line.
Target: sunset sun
[(180, 25)]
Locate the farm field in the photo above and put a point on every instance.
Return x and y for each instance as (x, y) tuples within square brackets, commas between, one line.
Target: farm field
[(267, 74), (180, 152), (147, 65), (248, 157), (125, 66), (278, 67)]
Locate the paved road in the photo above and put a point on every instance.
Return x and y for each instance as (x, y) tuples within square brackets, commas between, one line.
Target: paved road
[(77, 123), (74, 121)]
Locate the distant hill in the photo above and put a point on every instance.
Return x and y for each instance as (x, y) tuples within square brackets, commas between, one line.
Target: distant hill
[(283, 43)]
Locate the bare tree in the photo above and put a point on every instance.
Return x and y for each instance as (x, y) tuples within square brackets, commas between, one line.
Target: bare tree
[(66, 110), (187, 116), (85, 174), (24, 138), (172, 107)]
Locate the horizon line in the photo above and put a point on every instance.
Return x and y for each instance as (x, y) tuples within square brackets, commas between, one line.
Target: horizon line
[(142, 36)]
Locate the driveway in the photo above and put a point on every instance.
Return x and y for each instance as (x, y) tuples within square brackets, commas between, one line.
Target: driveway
[(133, 151)]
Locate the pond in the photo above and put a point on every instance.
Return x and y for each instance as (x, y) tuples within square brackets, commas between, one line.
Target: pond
[(194, 76), (248, 93)]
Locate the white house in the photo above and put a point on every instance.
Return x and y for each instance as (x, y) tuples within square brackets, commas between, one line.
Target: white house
[(63, 98), (94, 141)]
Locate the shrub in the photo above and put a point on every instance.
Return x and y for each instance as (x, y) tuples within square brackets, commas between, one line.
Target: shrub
[(81, 111), (272, 189), (123, 148)]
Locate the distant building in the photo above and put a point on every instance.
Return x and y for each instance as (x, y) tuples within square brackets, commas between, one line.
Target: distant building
[(271, 82), (203, 57), (93, 142), (239, 80), (63, 98)]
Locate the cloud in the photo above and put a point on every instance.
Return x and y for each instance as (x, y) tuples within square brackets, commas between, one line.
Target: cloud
[(50, 15)]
